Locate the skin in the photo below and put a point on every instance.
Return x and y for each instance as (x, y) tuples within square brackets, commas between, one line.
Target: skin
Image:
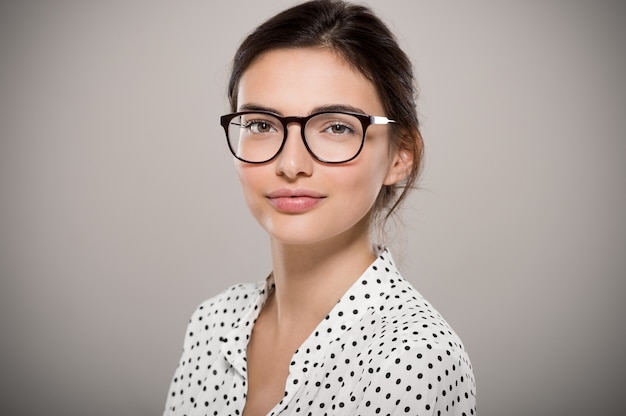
[(317, 254)]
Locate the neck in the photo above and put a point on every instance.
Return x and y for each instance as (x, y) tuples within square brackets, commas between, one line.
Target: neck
[(310, 279)]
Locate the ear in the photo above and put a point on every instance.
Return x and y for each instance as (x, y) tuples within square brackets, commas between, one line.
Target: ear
[(400, 167)]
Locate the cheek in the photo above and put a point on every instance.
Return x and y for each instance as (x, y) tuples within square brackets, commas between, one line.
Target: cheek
[(361, 188), (250, 186)]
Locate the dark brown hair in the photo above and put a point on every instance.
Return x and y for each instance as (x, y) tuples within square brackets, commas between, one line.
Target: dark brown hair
[(365, 42)]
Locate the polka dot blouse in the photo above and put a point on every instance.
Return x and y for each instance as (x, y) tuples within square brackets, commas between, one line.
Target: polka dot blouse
[(382, 349)]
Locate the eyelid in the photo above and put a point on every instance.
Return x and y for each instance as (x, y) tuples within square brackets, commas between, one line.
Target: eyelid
[(331, 123), (260, 117)]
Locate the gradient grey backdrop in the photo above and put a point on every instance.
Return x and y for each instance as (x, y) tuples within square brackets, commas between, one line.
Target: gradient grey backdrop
[(120, 210)]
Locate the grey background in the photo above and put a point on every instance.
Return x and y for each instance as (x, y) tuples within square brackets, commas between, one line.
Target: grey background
[(120, 210)]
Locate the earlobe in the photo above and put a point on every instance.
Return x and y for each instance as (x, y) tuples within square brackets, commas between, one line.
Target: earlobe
[(400, 167)]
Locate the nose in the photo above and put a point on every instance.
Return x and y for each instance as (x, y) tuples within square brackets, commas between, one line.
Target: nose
[(294, 160)]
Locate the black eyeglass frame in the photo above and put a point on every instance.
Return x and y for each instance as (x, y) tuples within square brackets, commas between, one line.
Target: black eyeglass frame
[(365, 119)]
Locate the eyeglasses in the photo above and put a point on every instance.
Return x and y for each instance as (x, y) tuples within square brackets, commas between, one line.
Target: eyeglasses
[(330, 137)]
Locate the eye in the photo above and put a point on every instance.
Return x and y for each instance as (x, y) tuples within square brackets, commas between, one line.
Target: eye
[(259, 126), (339, 128)]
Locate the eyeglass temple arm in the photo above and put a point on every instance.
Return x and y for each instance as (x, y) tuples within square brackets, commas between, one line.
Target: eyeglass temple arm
[(380, 120)]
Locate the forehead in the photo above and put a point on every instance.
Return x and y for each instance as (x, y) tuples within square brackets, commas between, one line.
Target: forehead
[(297, 80)]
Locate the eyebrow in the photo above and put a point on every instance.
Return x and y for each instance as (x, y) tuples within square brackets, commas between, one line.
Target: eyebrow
[(319, 109)]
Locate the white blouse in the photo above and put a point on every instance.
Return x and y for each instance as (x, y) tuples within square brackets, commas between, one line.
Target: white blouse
[(382, 349)]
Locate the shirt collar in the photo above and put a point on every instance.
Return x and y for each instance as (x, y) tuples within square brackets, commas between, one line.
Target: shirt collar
[(370, 291)]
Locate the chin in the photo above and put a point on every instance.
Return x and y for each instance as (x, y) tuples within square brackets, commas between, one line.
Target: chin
[(314, 232), (297, 238)]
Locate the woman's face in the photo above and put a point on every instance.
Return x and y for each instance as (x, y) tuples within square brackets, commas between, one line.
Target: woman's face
[(295, 198)]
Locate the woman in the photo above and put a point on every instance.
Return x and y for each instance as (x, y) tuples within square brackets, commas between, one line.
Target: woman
[(324, 133)]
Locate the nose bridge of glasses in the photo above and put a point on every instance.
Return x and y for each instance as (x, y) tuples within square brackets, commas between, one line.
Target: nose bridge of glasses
[(291, 120), (287, 121)]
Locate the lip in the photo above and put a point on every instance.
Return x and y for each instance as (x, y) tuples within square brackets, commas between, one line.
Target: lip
[(294, 200)]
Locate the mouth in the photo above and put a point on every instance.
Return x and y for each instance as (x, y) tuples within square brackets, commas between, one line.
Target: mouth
[(295, 193), (295, 200)]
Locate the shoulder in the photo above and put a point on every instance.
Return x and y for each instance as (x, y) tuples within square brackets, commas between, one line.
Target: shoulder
[(418, 331), (224, 310), (419, 358), (424, 378), (415, 325), (416, 363), (413, 358), (230, 300)]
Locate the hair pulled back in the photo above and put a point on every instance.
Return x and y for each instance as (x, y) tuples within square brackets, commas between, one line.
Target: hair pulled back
[(365, 42)]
